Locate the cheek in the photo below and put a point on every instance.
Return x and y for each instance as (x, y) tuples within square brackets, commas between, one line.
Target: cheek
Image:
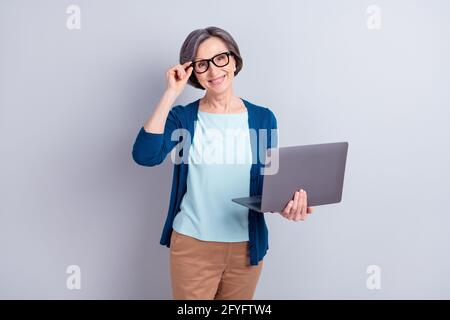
[(231, 73), (201, 78), (230, 70)]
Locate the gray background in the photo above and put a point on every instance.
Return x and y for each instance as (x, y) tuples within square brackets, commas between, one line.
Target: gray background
[(72, 103)]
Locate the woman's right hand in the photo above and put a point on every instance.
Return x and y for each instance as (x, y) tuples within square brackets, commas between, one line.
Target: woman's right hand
[(178, 76), (297, 208)]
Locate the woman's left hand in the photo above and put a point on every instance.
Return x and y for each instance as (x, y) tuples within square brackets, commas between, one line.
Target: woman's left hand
[(297, 208)]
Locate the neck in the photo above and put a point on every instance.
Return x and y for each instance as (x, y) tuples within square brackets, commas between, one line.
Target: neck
[(220, 103)]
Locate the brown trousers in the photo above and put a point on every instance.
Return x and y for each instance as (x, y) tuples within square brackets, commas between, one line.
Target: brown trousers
[(207, 270)]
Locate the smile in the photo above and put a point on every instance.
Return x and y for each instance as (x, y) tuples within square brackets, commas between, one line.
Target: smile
[(217, 81)]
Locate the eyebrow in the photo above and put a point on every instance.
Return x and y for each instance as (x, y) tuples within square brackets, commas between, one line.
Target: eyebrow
[(211, 56)]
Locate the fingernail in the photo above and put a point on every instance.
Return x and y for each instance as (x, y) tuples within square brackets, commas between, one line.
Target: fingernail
[(301, 190)]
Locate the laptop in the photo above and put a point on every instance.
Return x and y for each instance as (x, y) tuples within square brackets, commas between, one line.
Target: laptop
[(317, 168)]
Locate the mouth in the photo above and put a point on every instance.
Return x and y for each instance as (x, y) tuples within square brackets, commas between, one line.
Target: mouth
[(217, 81)]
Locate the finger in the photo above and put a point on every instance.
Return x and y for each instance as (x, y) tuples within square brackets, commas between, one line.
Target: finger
[(309, 210), (287, 209), (179, 68), (172, 73), (186, 64), (300, 205), (295, 207), (189, 71), (304, 204), (297, 215), (188, 68), (181, 73)]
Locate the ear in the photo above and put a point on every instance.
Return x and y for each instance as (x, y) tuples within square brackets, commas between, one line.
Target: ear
[(235, 63)]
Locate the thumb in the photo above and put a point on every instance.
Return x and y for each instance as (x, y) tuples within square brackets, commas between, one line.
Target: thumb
[(189, 71)]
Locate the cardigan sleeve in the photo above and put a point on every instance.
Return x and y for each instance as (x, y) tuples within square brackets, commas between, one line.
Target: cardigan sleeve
[(150, 149), (273, 132)]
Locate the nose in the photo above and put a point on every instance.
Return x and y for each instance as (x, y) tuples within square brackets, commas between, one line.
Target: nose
[(212, 71)]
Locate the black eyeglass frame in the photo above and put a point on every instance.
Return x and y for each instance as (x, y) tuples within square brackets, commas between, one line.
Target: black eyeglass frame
[(228, 53)]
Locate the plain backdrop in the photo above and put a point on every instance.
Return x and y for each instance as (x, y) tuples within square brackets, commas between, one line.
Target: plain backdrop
[(73, 101)]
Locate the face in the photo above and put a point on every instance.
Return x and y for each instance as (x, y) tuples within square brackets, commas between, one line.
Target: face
[(216, 79)]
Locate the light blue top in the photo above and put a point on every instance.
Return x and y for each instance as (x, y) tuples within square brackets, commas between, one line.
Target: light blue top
[(150, 149), (220, 160)]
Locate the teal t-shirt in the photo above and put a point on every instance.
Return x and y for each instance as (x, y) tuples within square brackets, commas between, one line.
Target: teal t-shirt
[(220, 160)]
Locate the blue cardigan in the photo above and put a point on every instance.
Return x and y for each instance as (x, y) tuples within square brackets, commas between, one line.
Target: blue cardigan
[(151, 149)]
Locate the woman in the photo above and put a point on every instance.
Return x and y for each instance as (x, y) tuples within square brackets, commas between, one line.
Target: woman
[(216, 246)]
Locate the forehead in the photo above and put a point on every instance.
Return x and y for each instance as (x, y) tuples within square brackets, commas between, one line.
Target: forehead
[(210, 47)]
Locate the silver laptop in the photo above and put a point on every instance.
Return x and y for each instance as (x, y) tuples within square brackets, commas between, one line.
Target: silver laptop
[(317, 168)]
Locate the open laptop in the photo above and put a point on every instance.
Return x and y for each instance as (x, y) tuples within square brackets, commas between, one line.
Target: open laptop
[(317, 168)]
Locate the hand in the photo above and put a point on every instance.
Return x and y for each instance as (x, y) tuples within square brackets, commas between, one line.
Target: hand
[(297, 208), (178, 76)]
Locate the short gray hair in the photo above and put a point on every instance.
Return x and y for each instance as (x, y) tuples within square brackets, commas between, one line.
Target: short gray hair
[(196, 37)]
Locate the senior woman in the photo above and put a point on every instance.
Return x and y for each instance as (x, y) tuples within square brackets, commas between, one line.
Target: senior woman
[(216, 246)]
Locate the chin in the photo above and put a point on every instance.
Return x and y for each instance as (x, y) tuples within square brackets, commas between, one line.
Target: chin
[(218, 90)]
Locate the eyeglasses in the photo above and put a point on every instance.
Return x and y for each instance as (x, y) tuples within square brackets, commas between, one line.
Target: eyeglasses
[(219, 60)]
